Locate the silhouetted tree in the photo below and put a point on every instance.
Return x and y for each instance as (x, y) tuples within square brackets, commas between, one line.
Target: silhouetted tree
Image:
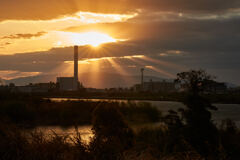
[(194, 81), (11, 85), (199, 131), (112, 134)]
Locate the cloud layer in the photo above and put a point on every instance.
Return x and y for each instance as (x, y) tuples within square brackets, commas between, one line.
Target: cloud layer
[(173, 35), (45, 9), (24, 35)]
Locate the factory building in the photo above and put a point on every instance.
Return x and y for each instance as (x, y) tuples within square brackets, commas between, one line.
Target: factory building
[(66, 83), (160, 86), (34, 88), (154, 86), (70, 83)]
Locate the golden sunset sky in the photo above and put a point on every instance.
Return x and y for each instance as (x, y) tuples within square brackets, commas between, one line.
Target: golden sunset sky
[(118, 37)]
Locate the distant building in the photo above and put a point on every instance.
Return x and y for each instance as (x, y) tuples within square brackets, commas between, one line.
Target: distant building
[(67, 83), (215, 87), (70, 83), (44, 87), (210, 86), (95, 90), (34, 88), (23, 89), (155, 87)]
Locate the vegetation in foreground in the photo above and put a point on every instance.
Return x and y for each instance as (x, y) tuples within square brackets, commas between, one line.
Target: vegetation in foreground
[(39, 112), (114, 139), (188, 134)]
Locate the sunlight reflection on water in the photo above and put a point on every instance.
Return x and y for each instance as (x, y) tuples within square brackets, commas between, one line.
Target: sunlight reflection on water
[(225, 111), (85, 132)]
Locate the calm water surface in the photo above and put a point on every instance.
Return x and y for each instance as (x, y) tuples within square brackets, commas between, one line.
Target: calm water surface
[(224, 111)]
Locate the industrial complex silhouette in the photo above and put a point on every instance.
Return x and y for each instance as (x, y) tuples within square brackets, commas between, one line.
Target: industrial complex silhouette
[(70, 83)]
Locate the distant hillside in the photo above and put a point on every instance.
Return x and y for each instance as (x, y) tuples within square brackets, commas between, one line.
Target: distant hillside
[(32, 79), (96, 80)]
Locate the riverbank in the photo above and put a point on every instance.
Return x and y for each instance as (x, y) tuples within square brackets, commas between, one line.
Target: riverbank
[(224, 98), (67, 112), (113, 139), (42, 112), (224, 111)]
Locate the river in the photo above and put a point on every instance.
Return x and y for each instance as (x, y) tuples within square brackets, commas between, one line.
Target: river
[(231, 111)]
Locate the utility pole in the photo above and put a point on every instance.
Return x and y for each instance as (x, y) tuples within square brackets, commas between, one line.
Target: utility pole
[(142, 83)]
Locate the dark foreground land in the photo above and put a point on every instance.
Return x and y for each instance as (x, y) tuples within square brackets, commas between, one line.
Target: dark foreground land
[(228, 97), (32, 112), (188, 134)]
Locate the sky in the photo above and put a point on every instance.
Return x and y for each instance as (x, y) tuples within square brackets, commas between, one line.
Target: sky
[(119, 36)]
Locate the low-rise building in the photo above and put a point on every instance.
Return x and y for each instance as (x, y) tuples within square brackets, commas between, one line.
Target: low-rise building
[(35, 88), (157, 86), (215, 87), (67, 84)]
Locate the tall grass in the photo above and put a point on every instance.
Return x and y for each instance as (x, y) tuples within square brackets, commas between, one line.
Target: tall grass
[(17, 144), (113, 140), (69, 113)]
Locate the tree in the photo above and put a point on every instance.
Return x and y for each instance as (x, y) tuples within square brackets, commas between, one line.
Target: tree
[(112, 134), (194, 81), (199, 129), (11, 85)]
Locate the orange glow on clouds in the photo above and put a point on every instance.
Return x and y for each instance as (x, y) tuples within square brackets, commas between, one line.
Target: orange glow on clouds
[(9, 74), (87, 38), (89, 60), (165, 73), (54, 32)]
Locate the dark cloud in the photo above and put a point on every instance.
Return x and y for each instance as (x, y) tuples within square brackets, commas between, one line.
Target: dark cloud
[(222, 64), (45, 61), (45, 9), (207, 35), (203, 34), (7, 43), (23, 36)]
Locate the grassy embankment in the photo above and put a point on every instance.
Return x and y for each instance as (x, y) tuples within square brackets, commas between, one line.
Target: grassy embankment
[(114, 140), (39, 112)]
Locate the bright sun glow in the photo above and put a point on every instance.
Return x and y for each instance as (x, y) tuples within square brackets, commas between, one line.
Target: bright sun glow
[(90, 38)]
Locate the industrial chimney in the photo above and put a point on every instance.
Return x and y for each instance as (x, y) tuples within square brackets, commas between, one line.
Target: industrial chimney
[(76, 63), (70, 83), (75, 85)]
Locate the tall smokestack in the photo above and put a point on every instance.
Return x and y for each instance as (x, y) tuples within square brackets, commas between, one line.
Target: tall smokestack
[(76, 63)]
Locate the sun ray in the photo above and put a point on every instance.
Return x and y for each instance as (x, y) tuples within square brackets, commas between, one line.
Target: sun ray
[(138, 60), (95, 66), (62, 69), (117, 67), (169, 75), (164, 63), (94, 71), (121, 70)]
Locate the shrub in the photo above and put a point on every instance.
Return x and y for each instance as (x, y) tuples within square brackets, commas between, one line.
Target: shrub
[(112, 134)]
